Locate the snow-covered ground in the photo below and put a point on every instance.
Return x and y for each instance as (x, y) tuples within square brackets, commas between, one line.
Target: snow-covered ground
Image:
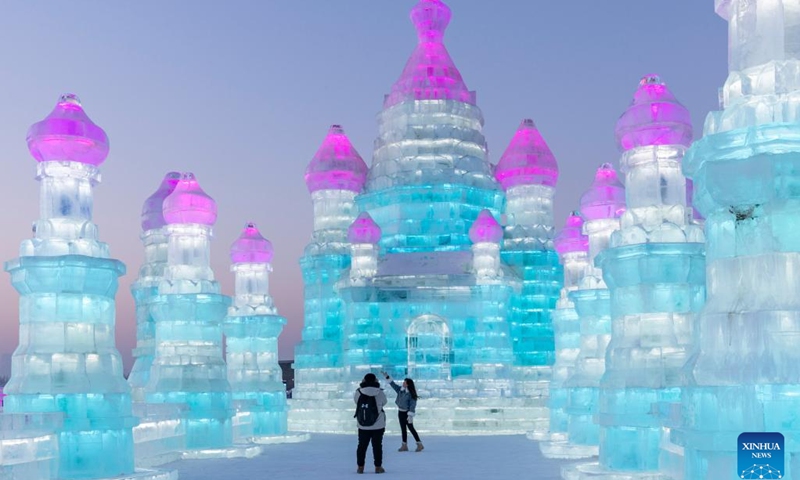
[(332, 457)]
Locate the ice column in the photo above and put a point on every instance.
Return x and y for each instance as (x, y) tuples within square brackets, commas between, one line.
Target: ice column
[(573, 250), (189, 368), (251, 332), (154, 238), (601, 207), (486, 235), (66, 360), (363, 235), (743, 372)]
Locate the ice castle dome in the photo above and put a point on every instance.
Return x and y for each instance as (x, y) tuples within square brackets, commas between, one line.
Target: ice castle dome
[(68, 134), (485, 229), (336, 165), (654, 117), (571, 238), (605, 198), (188, 203), (527, 160), (364, 230), (153, 207), (251, 246), (431, 18)]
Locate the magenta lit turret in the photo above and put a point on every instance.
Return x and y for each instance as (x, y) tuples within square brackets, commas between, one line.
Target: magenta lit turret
[(251, 247), (654, 117), (606, 196), (153, 208), (571, 238), (67, 134), (527, 160), (336, 165), (364, 230), (486, 229), (430, 73), (188, 203)]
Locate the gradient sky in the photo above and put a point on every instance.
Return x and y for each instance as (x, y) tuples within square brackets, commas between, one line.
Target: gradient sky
[(242, 93)]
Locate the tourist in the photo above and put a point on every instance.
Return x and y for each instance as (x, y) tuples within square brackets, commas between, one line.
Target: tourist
[(406, 409), (371, 419)]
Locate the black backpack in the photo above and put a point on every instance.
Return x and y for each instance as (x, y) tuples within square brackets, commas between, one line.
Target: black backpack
[(366, 410)]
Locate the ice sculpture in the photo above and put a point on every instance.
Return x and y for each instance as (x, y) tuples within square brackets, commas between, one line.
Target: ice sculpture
[(251, 336), (573, 250), (743, 373), (601, 207), (67, 365), (655, 271), (419, 284)]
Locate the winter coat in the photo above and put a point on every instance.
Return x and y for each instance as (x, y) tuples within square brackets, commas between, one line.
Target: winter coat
[(405, 402), (380, 400)]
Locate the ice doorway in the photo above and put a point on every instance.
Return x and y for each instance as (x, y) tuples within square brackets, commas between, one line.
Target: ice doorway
[(430, 348)]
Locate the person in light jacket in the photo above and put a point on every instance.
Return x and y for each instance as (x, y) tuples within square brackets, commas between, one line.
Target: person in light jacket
[(406, 409), (371, 433)]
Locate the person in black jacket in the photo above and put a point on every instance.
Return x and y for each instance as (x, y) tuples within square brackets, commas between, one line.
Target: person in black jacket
[(373, 433)]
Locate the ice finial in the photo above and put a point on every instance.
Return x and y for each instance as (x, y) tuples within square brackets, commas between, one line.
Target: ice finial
[(364, 230), (605, 198), (571, 238), (67, 134), (188, 203), (336, 165), (485, 229), (153, 208), (251, 247), (527, 160), (431, 18), (654, 117)]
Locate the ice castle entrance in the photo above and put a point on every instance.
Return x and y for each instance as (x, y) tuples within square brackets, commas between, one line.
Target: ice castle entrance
[(429, 345)]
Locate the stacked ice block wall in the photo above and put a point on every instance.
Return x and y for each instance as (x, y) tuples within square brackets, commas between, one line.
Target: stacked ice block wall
[(189, 368), (744, 375), (251, 336), (67, 361)]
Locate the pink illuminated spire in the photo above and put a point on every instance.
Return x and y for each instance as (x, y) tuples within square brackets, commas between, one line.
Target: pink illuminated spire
[(336, 165), (606, 197), (251, 247), (654, 117), (430, 73), (364, 230), (188, 203), (571, 238), (527, 160), (153, 208), (486, 229), (67, 134)]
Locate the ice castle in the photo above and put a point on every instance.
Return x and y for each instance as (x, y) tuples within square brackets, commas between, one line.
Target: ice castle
[(427, 282)]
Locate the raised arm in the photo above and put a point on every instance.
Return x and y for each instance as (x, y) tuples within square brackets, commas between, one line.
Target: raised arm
[(395, 386)]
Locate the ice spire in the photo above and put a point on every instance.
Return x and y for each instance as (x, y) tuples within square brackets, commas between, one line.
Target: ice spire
[(251, 247), (188, 203), (336, 165), (364, 230), (571, 239), (153, 207), (430, 73), (527, 160), (485, 229), (605, 198), (486, 235), (363, 235)]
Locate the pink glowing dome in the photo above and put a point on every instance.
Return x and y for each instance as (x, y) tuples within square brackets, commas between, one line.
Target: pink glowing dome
[(364, 230), (336, 165), (188, 203), (251, 247), (605, 198), (67, 134), (571, 238), (430, 73), (153, 208), (486, 229), (527, 160), (654, 117)]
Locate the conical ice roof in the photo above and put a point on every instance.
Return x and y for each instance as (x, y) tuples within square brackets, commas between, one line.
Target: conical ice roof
[(336, 165), (527, 160)]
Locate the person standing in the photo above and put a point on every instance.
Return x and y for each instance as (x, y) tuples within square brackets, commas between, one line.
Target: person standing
[(371, 419), (406, 409)]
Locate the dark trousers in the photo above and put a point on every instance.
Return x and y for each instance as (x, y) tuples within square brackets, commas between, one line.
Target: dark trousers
[(364, 439), (403, 417)]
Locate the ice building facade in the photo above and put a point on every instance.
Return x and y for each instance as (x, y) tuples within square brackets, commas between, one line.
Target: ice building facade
[(655, 271), (409, 269), (251, 336), (743, 374)]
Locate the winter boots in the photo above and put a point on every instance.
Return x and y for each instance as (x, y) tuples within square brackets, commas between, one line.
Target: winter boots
[(379, 470), (403, 447), (420, 447), (360, 470)]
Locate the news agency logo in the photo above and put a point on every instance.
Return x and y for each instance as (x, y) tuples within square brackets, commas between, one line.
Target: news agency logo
[(760, 455)]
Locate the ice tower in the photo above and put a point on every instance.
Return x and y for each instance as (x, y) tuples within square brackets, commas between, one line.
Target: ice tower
[(189, 368), (601, 207), (251, 336), (743, 373), (655, 272)]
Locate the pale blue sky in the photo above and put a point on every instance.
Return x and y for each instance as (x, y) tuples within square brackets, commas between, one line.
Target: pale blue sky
[(242, 93)]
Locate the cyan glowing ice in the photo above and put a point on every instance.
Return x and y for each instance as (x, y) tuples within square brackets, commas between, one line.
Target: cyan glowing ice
[(527, 160), (743, 374), (251, 329), (364, 230), (485, 229), (67, 361), (336, 165)]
